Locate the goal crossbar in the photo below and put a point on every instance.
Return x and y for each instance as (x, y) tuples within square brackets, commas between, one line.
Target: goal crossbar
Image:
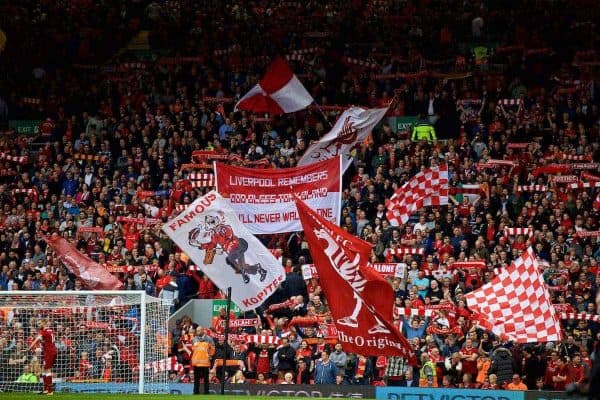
[(126, 330)]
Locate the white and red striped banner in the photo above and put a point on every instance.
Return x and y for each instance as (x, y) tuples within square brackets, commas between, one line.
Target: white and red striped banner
[(164, 365), (294, 57), (31, 100), (360, 63), (581, 316), (28, 192), (400, 251), (584, 185), (511, 102), (532, 188), (262, 339), (197, 176), (17, 159), (570, 157), (518, 231), (426, 311), (309, 50)]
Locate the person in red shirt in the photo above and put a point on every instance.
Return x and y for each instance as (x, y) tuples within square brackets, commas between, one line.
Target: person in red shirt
[(550, 369), (561, 375), (85, 366), (576, 371), (46, 338), (469, 355)]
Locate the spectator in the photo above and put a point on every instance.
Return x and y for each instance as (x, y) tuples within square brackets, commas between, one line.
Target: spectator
[(409, 379), (338, 357), (516, 383), (428, 373), (325, 370), (502, 365), (27, 376), (203, 349), (286, 358)]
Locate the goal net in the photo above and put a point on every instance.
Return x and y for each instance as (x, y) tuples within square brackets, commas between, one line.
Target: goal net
[(102, 340)]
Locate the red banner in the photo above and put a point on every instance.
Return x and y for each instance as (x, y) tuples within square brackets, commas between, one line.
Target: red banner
[(90, 272), (241, 323), (467, 265), (263, 199), (357, 296)]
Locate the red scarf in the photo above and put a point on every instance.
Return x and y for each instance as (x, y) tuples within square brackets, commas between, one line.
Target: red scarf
[(361, 367)]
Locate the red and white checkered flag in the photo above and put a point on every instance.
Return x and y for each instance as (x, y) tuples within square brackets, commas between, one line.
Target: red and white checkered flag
[(427, 188), (516, 304)]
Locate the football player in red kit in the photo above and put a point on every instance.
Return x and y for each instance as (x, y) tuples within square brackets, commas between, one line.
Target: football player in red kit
[(46, 338)]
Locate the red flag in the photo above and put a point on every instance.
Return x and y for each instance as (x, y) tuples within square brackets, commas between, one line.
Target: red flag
[(360, 300), (90, 272), (278, 92)]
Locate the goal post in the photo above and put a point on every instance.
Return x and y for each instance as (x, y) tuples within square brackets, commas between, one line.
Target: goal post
[(106, 341)]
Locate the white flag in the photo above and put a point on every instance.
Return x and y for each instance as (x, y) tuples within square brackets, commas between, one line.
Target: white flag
[(349, 131), (209, 232)]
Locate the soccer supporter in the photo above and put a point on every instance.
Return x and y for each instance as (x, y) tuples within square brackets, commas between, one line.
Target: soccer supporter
[(516, 383), (148, 121)]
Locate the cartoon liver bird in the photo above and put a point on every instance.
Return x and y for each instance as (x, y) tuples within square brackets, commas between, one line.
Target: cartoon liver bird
[(349, 271)]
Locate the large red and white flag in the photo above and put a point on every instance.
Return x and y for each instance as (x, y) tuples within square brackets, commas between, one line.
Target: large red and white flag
[(278, 92), (516, 304), (209, 232), (263, 199), (360, 300), (93, 275), (427, 188), (350, 130)]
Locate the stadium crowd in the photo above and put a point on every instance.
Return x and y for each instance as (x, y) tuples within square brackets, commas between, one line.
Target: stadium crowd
[(516, 120)]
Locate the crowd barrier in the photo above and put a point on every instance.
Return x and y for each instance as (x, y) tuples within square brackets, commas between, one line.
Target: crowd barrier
[(328, 391)]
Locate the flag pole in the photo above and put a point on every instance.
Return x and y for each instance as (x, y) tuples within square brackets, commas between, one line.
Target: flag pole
[(225, 343), (323, 114)]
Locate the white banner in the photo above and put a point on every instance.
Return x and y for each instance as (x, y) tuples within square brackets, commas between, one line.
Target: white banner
[(209, 232), (263, 198), (397, 270), (349, 131)]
